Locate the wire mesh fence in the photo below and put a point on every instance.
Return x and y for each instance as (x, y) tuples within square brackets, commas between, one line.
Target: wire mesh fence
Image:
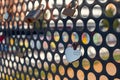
[(36, 51)]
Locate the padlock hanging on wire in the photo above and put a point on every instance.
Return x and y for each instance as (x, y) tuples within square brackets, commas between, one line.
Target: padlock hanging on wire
[(72, 53), (8, 15), (70, 9), (34, 15)]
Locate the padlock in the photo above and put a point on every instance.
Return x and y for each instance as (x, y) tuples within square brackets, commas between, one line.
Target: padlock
[(70, 9), (33, 15), (7, 16), (72, 53)]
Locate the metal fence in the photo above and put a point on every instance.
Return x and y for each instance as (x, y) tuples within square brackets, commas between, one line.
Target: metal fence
[(37, 51)]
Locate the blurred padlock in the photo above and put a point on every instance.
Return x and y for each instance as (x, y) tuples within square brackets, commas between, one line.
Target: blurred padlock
[(7, 16), (33, 15), (71, 8)]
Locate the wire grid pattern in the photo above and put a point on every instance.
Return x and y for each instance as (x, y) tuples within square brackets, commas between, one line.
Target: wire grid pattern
[(37, 51)]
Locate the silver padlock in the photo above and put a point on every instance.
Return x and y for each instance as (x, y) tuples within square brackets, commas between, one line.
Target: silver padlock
[(7, 16), (72, 53)]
